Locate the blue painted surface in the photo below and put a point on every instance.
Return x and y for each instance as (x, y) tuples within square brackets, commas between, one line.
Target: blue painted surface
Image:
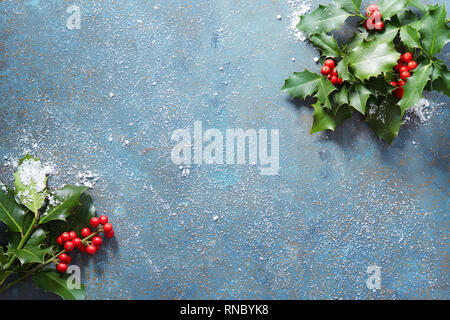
[(342, 201)]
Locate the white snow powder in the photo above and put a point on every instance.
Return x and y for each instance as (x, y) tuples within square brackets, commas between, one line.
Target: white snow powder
[(33, 174), (422, 111), (298, 8)]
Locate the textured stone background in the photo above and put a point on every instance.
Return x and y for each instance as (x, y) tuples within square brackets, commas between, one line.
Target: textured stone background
[(341, 202)]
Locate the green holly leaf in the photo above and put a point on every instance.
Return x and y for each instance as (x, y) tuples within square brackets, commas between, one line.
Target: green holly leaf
[(324, 19), (301, 84), (350, 5), (326, 44), (410, 37), (372, 58), (358, 97), (339, 98), (51, 281), (342, 69), (30, 181), (413, 89), (32, 252), (408, 18), (440, 77), (434, 30), (11, 213), (324, 89), (417, 4), (385, 118), (390, 8), (62, 201), (325, 119), (387, 35), (76, 221)]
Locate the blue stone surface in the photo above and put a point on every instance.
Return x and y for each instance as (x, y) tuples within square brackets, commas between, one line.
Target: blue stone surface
[(102, 102)]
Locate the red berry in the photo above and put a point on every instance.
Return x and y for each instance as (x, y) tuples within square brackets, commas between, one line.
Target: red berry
[(325, 70), (59, 240), (379, 25), (340, 80), (72, 235), (407, 57), (107, 227), (393, 83), (371, 8), (85, 232), (399, 92), (403, 69), (63, 257), (405, 75), (69, 259), (61, 267), (65, 237), (97, 241), (110, 234), (334, 72), (103, 219), (76, 242), (398, 66), (91, 249), (329, 63), (68, 246), (95, 222), (329, 76), (401, 83), (334, 80), (412, 65), (376, 15), (82, 248)]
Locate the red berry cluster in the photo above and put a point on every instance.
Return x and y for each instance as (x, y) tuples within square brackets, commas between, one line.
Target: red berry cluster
[(404, 67), (374, 18), (70, 241), (329, 70)]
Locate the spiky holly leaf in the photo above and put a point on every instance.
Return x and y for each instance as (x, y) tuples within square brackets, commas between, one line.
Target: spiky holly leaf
[(342, 69), (77, 220), (30, 181), (11, 213), (350, 5), (64, 200), (339, 98), (385, 118), (372, 58), (413, 89), (325, 119), (387, 35), (324, 19), (301, 84), (440, 77), (434, 30), (51, 281), (324, 89), (327, 45), (410, 37), (358, 97), (33, 251), (390, 8), (417, 4), (408, 18)]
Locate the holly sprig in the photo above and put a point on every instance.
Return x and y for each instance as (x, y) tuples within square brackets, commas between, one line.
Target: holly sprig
[(366, 62), (42, 229)]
